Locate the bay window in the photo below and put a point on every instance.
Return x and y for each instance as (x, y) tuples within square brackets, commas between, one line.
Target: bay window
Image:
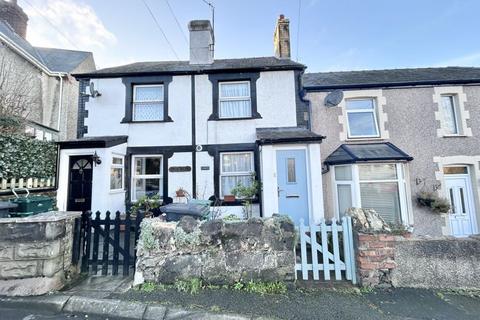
[(379, 186), (362, 118), (235, 168), (148, 102), (116, 173), (234, 99), (147, 176)]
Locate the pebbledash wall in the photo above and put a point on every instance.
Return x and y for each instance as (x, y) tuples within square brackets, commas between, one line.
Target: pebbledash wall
[(420, 262), (410, 116), (217, 251), (36, 253)]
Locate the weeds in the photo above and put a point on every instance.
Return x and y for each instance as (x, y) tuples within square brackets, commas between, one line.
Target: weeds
[(148, 287), (192, 286), (264, 287)]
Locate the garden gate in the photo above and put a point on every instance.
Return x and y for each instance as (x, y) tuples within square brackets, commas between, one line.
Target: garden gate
[(325, 248), (107, 244)]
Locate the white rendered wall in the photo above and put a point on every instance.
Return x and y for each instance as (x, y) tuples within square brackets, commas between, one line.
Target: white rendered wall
[(178, 180), (205, 187)]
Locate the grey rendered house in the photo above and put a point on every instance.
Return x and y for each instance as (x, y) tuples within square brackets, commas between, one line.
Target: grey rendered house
[(396, 133)]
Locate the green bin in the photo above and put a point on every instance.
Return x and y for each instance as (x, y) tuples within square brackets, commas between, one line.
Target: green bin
[(31, 205)]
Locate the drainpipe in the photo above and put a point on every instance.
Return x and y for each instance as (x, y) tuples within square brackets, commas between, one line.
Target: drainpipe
[(60, 96)]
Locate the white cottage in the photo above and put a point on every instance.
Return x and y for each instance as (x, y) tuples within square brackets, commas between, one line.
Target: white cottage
[(203, 126)]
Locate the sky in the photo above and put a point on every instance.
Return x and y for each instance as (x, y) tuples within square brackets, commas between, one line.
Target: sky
[(326, 35)]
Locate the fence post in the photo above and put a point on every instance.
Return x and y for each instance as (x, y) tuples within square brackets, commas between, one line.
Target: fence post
[(87, 225), (336, 251), (96, 235), (326, 265), (303, 250), (126, 248), (116, 242), (352, 250), (106, 244), (314, 248)]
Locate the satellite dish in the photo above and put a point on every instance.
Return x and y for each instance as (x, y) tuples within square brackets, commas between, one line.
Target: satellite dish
[(93, 93), (333, 98)]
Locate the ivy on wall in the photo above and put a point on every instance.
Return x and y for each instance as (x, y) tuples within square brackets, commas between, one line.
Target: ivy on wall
[(22, 156)]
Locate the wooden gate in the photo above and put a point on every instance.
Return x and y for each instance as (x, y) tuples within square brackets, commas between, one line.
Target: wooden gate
[(109, 244), (326, 248)]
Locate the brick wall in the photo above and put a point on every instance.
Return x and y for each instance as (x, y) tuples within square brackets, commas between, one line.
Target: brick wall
[(36, 253), (376, 258)]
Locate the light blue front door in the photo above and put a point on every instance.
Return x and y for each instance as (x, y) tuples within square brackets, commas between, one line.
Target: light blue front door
[(292, 184)]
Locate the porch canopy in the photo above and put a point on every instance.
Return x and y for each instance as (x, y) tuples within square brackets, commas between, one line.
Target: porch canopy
[(364, 152), (287, 135), (93, 142)]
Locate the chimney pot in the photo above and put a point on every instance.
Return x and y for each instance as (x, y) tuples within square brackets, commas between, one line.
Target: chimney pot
[(201, 42), (281, 38), (13, 15)]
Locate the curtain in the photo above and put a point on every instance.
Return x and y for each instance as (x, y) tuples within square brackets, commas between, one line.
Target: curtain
[(237, 162), (344, 192), (148, 93), (449, 115), (377, 172), (235, 109), (233, 90), (384, 198)]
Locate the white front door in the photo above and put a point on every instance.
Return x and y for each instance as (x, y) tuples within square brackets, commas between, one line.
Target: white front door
[(462, 213)]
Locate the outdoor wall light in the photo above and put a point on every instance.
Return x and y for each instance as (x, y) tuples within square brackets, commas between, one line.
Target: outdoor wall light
[(96, 159)]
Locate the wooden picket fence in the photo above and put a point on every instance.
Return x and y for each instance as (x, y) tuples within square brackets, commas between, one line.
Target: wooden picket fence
[(31, 183), (326, 248)]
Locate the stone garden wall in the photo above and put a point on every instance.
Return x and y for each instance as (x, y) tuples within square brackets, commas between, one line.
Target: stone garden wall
[(217, 251), (36, 253)]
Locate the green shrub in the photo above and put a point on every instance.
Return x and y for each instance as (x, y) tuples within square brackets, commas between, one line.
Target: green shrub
[(147, 238)]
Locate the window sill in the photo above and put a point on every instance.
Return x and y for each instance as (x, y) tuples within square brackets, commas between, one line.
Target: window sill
[(117, 191), (235, 203), (454, 136), (168, 119), (233, 119), (364, 139)]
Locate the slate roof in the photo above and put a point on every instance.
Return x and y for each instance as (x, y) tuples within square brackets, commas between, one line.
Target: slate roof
[(364, 152), (285, 135), (392, 77), (93, 142), (56, 60), (184, 67)]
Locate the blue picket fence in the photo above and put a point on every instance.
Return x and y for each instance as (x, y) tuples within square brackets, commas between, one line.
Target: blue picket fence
[(325, 248)]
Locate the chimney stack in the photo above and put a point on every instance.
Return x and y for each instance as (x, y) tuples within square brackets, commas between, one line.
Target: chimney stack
[(11, 13), (201, 42), (281, 38)]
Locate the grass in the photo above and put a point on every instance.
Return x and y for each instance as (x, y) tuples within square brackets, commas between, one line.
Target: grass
[(192, 286)]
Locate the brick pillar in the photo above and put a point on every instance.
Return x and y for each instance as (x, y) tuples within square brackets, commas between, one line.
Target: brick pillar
[(281, 38), (375, 258)]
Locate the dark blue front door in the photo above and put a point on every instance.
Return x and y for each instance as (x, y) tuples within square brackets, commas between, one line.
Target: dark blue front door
[(292, 184)]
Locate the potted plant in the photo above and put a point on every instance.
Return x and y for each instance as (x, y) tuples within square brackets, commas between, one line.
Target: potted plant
[(229, 198), (145, 205), (247, 194)]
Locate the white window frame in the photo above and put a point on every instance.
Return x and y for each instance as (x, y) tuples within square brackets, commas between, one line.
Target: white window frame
[(238, 98), (145, 176), (134, 101), (230, 174), (118, 166), (374, 111), (458, 126), (401, 181)]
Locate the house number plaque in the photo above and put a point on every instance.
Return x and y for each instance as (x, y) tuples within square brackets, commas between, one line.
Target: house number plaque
[(180, 169)]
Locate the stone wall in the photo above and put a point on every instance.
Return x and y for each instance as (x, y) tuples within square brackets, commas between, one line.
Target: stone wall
[(405, 261), (36, 253), (217, 251)]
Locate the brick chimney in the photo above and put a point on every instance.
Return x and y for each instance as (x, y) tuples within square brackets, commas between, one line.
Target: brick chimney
[(11, 13), (281, 38), (201, 42)]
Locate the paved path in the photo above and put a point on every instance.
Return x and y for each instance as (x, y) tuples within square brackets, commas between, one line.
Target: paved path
[(8, 313)]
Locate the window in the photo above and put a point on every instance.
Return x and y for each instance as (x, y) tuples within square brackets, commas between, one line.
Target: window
[(381, 187), (291, 174), (116, 173), (148, 103), (449, 114), (235, 168), (147, 176), (234, 100), (362, 118)]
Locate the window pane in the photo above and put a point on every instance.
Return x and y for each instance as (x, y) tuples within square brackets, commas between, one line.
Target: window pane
[(148, 111), (383, 198), (235, 109), (455, 170), (149, 93), (343, 173), (449, 115), (149, 165), (344, 195), (357, 104), (362, 124), (229, 182), (232, 90), (116, 177), (116, 160), (377, 172), (291, 175), (237, 162), (147, 187)]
